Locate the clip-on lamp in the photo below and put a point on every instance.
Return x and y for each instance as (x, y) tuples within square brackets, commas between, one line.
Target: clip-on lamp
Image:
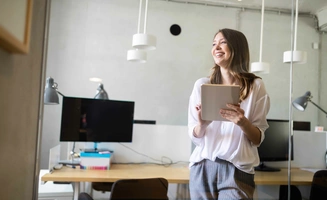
[(51, 98), (101, 94), (301, 103)]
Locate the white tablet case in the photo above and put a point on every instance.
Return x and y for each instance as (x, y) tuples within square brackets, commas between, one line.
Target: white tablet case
[(216, 96)]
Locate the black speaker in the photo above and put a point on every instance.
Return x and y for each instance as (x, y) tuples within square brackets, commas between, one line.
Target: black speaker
[(301, 126)]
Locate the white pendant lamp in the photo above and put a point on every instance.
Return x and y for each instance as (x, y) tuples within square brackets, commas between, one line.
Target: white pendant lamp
[(141, 41), (136, 55), (261, 67), (144, 41), (299, 57)]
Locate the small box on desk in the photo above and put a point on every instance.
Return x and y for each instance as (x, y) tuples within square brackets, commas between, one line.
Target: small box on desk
[(96, 161)]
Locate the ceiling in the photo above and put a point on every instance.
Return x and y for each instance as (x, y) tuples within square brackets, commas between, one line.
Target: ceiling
[(305, 6)]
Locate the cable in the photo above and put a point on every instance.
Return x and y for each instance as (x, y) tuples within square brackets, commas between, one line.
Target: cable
[(161, 162)]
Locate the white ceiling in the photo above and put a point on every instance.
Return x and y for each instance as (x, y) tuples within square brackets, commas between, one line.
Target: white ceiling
[(308, 6)]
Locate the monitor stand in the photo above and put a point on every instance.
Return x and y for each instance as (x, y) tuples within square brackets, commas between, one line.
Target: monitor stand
[(265, 168), (95, 149), (69, 162)]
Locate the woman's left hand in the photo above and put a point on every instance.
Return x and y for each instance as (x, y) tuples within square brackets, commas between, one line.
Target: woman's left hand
[(234, 114)]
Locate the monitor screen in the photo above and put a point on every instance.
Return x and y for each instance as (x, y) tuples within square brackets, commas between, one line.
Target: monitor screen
[(96, 120), (275, 146)]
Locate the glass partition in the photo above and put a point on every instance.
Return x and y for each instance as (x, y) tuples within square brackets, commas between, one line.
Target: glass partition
[(91, 38)]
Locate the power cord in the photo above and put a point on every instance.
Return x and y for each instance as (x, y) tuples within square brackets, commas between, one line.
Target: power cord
[(165, 161)]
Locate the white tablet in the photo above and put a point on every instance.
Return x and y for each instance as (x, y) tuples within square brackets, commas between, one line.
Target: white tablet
[(216, 96)]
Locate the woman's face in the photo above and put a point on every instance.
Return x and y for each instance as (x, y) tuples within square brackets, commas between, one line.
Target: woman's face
[(220, 51)]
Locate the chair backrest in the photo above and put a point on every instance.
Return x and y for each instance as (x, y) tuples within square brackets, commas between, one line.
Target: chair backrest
[(84, 196), (102, 186), (319, 185), (149, 188), (295, 192)]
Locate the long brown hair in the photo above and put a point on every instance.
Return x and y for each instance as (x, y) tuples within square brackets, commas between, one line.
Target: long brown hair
[(238, 63)]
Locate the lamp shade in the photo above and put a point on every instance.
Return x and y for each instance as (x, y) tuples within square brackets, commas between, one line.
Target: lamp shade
[(144, 41), (136, 55), (95, 79), (50, 92), (101, 94), (302, 102), (299, 57), (260, 67)]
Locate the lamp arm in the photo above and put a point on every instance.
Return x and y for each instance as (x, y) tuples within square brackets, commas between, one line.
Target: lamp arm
[(318, 107), (60, 93)]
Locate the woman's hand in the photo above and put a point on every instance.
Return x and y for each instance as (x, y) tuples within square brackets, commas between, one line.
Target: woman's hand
[(234, 114), (200, 129), (199, 111)]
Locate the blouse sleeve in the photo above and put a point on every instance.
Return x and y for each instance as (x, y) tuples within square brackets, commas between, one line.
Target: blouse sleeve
[(195, 98), (261, 106)]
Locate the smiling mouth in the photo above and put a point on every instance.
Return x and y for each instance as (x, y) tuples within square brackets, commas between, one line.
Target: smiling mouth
[(219, 54)]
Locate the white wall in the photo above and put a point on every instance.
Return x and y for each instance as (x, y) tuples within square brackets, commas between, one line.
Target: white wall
[(160, 144), (91, 38)]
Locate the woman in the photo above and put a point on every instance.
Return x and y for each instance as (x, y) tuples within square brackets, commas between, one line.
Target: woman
[(222, 163)]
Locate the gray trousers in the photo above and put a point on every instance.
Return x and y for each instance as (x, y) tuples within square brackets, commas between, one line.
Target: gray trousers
[(220, 180)]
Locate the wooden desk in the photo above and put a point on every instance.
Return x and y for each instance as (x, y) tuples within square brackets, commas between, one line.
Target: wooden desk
[(174, 174), (298, 177)]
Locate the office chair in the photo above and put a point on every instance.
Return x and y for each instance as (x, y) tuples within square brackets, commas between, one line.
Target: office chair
[(319, 185), (148, 188), (84, 196), (295, 192)]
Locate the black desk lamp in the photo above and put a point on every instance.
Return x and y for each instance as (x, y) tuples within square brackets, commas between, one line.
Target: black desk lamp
[(301, 103)]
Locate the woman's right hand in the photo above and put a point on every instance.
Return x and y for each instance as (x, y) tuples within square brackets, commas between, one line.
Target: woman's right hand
[(199, 111), (199, 130)]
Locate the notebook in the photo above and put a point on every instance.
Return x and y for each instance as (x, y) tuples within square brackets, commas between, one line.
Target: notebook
[(216, 96)]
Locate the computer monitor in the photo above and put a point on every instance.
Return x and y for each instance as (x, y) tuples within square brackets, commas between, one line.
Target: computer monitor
[(96, 120), (275, 146)]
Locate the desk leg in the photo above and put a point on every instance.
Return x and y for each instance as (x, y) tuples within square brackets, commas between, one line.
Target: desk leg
[(183, 191), (82, 186), (76, 190)]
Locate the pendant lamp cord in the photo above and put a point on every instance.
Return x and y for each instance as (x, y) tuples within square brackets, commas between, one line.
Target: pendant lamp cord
[(145, 15), (295, 25), (140, 14)]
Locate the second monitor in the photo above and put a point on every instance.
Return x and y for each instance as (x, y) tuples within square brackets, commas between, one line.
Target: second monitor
[(275, 146)]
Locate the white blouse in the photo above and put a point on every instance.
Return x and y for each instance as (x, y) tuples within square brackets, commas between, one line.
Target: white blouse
[(226, 140)]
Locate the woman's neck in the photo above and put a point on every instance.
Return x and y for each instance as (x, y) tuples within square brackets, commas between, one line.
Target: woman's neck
[(227, 78)]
